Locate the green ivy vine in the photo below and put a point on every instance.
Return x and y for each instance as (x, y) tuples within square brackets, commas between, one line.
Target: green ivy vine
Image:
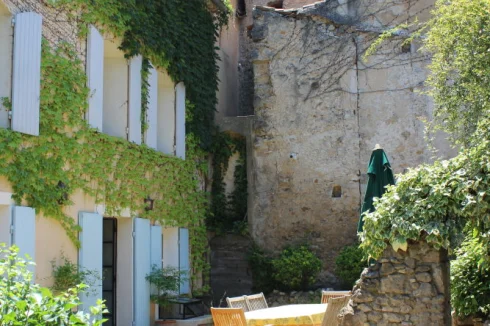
[(228, 213), (68, 155), (178, 36)]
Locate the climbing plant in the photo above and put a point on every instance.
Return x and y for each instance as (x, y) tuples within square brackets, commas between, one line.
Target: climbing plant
[(45, 171), (228, 211), (438, 202), (179, 36)]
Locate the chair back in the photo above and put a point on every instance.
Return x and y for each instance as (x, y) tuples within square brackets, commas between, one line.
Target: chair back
[(228, 317), (326, 295), (333, 309), (237, 302), (256, 301)]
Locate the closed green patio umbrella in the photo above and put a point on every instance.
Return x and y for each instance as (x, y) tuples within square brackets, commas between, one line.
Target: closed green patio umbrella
[(380, 175)]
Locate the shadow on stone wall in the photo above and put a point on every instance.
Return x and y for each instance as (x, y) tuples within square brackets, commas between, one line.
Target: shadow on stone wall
[(402, 288)]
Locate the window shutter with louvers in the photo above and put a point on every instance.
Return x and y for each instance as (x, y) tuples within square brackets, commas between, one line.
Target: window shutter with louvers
[(134, 123), (26, 73), (95, 78)]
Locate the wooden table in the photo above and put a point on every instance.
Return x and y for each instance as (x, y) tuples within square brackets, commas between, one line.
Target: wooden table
[(290, 315)]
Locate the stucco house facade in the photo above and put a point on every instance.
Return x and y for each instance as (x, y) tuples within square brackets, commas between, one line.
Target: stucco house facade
[(120, 248)]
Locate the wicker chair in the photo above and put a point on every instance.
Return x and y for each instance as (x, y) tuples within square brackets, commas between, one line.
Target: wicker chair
[(228, 317), (326, 295), (333, 308), (256, 301), (237, 302)]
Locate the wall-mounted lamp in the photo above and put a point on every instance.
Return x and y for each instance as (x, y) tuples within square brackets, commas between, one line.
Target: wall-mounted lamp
[(149, 203), (64, 196)]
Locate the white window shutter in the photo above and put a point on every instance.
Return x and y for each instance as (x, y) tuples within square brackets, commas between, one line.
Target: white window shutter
[(156, 246), (152, 112), (135, 99), (180, 120), (95, 78), (184, 264), (141, 266), (90, 255), (23, 230), (26, 73)]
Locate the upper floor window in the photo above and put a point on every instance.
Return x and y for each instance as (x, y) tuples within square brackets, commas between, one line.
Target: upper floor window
[(115, 84), (166, 115)]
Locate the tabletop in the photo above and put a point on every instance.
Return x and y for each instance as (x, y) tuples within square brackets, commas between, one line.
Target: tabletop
[(289, 315)]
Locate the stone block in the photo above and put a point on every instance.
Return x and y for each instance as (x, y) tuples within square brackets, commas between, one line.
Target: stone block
[(374, 316), (410, 262), (393, 284), (424, 290), (423, 277), (393, 318)]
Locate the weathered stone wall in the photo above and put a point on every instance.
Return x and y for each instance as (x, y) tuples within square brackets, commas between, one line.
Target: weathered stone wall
[(402, 288), (319, 110)]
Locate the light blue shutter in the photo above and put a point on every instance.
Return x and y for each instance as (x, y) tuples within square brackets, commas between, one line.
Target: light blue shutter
[(90, 255), (141, 268), (23, 232), (26, 73), (95, 78), (152, 112), (156, 246), (134, 122), (184, 265), (180, 120)]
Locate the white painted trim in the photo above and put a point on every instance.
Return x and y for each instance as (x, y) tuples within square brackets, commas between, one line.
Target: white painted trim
[(124, 213)]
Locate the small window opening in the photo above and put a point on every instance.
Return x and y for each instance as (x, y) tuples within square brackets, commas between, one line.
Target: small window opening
[(337, 191)]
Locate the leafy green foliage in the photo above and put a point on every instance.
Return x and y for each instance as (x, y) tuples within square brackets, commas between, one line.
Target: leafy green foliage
[(228, 213), (25, 303), (115, 172), (165, 283), (262, 270), (179, 36), (437, 202), (296, 268), (68, 275), (459, 38), (349, 264), (470, 280)]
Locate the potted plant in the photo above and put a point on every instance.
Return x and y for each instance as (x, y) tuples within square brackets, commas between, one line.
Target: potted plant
[(165, 283)]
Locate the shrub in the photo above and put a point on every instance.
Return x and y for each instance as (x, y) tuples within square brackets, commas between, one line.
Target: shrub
[(262, 270), (470, 280), (165, 283), (296, 268), (349, 265), (25, 303), (68, 275)]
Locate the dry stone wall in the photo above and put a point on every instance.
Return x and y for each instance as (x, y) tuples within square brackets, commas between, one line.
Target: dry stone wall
[(320, 108), (402, 288)]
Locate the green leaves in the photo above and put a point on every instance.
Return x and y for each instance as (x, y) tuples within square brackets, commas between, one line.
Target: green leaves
[(26, 303)]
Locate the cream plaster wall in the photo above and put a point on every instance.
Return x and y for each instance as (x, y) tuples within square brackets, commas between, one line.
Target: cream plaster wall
[(116, 78), (166, 114)]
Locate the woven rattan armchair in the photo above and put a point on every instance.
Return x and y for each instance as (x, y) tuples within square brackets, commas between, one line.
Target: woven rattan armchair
[(228, 317), (256, 301), (326, 295), (237, 302), (333, 308)]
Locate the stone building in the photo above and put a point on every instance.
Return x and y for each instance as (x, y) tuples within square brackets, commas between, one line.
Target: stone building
[(316, 107)]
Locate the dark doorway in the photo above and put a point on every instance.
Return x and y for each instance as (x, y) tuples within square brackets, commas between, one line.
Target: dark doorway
[(109, 269)]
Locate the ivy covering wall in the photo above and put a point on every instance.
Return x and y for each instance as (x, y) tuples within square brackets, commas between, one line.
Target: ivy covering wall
[(68, 156)]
